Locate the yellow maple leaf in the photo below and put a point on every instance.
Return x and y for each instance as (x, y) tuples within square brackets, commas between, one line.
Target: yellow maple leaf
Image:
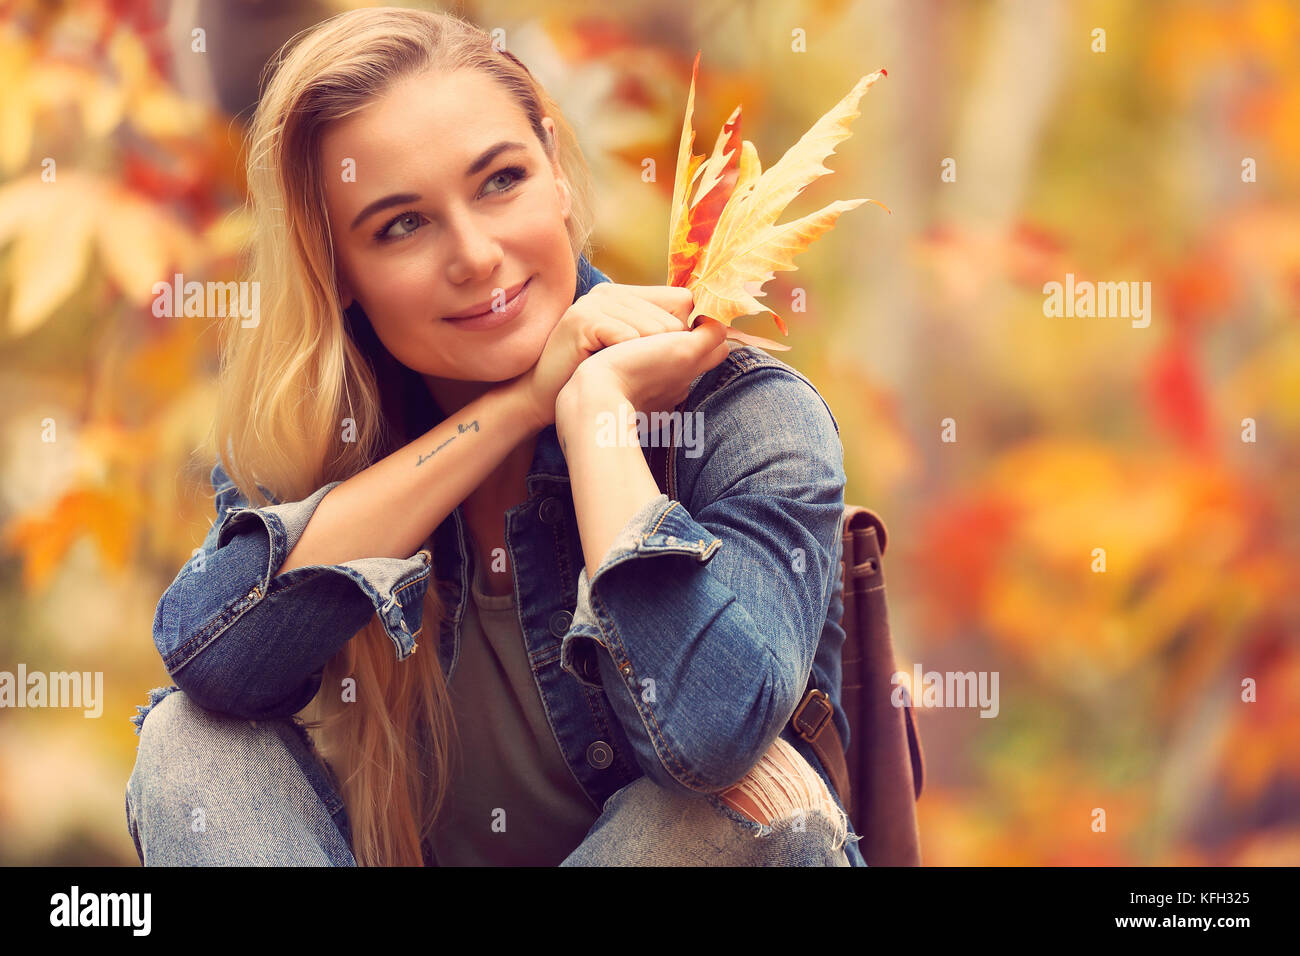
[(56, 228), (107, 515), (724, 243)]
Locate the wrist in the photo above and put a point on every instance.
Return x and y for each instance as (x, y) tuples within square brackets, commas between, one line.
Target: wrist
[(533, 413), (585, 394)]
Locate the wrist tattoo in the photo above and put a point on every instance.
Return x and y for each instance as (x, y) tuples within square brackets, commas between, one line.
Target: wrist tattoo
[(461, 429)]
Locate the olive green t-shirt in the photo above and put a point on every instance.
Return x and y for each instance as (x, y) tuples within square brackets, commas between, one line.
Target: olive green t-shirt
[(512, 800)]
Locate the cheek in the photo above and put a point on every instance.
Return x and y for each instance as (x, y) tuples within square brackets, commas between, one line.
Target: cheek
[(400, 291), (399, 302), (539, 216)]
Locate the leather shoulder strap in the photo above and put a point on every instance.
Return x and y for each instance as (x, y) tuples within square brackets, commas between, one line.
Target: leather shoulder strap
[(885, 759)]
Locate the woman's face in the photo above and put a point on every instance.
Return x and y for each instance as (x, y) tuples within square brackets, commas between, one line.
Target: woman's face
[(430, 219)]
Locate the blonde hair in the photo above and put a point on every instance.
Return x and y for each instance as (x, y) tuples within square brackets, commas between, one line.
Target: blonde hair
[(287, 383)]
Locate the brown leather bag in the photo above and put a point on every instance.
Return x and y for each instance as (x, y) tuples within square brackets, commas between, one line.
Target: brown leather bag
[(880, 776)]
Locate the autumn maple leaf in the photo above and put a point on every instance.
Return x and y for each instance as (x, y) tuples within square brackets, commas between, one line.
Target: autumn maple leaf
[(723, 240)]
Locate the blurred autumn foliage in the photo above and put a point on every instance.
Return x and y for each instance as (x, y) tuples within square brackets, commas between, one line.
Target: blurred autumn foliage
[(1121, 689)]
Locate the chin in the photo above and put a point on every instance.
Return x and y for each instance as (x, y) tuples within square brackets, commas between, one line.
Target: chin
[(512, 359)]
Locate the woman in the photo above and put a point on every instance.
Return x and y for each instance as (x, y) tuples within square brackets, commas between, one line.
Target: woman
[(608, 675)]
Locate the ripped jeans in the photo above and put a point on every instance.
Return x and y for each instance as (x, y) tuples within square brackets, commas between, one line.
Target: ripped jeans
[(210, 789)]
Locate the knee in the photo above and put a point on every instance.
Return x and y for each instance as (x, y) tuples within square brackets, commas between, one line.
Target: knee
[(165, 773), (781, 786), (161, 725), (179, 739), (173, 724), (162, 734), (210, 787)]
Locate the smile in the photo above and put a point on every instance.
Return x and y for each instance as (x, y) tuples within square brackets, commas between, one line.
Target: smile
[(491, 318)]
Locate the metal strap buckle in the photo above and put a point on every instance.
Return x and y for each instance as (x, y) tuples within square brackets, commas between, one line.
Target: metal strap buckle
[(822, 703)]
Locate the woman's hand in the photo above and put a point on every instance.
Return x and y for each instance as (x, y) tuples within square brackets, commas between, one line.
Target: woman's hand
[(609, 314), (651, 374)]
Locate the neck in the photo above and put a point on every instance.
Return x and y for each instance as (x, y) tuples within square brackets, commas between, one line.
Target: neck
[(452, 395), (506, 485)]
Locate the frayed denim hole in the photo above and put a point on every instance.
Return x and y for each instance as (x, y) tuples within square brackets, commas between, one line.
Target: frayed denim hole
[(755, 828), (812, 821), (156, 696)]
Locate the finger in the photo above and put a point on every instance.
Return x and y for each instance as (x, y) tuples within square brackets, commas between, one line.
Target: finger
[(713, 357), (707, 335), (645, 316), (675, 299), (710, 328), (711, 339), (606, 332), (650, 318)]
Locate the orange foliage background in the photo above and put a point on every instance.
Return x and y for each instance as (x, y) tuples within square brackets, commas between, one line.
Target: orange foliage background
[(1119, 690)]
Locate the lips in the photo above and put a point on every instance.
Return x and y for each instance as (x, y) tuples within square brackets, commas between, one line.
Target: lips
[(485, 307)]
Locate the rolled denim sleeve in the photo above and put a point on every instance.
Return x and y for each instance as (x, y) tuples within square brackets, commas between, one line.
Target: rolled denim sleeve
[(703, 621), (240, 640)]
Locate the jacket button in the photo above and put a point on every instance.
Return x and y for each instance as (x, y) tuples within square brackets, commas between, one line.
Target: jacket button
[(560, 622), (600, 755), (550, 510)]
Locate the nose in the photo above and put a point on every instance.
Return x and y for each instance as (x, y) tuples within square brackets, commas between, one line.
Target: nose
[(474, 253)]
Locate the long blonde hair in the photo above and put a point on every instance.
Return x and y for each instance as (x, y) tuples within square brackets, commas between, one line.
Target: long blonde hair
[(288, 383)]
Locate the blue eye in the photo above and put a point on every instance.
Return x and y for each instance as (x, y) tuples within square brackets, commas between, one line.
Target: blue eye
[(514, 175), (383, 235)]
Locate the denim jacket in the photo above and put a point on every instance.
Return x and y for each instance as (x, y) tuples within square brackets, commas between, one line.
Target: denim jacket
[(682, 659)]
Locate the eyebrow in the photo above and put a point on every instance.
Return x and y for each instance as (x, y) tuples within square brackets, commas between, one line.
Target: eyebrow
[(399, 199)]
